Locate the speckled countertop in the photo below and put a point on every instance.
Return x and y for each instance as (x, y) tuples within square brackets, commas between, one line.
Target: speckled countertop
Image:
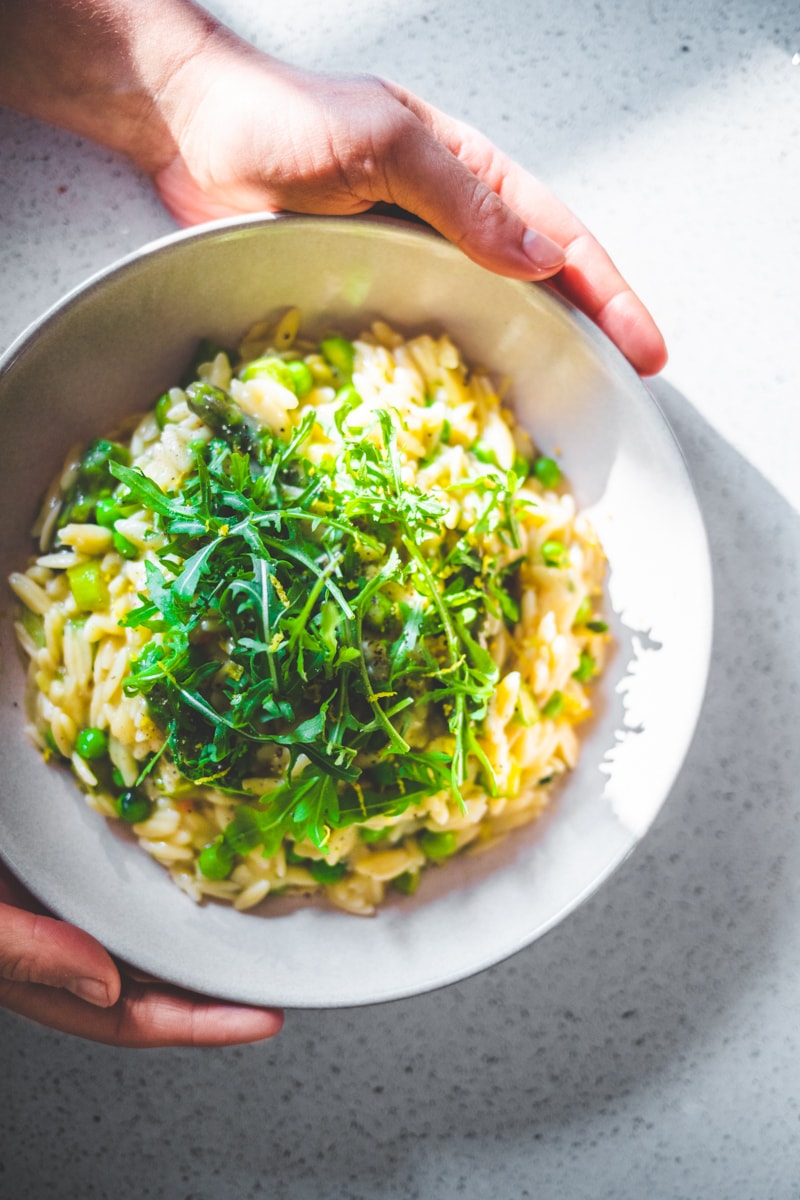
[(651, 1045)]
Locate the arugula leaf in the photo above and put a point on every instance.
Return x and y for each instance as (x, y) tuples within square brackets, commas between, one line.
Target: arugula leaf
[(305, 609), (145, 491)]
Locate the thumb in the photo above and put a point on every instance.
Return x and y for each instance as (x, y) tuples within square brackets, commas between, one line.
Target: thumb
[(426, 176), (40, 949)]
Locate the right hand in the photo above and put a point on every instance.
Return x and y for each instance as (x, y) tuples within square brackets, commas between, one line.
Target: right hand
[(251, 133)]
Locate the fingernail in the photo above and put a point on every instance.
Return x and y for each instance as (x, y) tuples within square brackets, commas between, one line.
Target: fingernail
[(90, 990), (544, 254)]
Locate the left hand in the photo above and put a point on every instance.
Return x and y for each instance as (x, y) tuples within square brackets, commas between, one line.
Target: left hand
[(61, 977)]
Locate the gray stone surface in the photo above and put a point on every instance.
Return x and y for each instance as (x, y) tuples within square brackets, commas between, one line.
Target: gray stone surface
[(649, 1046)]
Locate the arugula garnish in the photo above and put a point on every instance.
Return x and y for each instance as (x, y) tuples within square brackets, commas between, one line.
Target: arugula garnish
[(303, 614)]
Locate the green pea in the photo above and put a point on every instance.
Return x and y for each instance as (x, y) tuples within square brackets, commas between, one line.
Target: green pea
[(522, 467), (301, 375), (92, 743), (123, 546), (80, 510), (95, 460), (586, 667), (554, 553), (271, 366), (216, 860), (106, 512), (133, 806), (438, 845), (348, 397), (485, 454), (94, 464), (326, 872), (407, 883), (554, 706), (339, 352), (548, 472), (163, 405), (375, 835)]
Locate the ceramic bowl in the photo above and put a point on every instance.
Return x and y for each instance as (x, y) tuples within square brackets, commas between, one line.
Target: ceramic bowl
[(112, 345)]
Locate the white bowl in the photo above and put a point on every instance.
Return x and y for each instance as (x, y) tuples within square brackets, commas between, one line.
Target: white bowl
[(114, 344)]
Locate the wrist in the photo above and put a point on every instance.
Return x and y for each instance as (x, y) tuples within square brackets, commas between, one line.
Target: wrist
[(170, 55), (107, 70)]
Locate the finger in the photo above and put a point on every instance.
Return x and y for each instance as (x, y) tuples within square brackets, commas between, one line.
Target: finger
[(597, 289), (425, 177), (157, 1015), (589, 278), (36, 949), (144, 1017)]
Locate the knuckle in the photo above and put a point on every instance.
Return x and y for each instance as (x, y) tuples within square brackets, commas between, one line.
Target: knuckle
[(16, 968), (374, 139), (488, 222), (487, 207)]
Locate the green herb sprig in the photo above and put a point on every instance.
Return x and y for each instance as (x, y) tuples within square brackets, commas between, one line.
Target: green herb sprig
[(308, 619)]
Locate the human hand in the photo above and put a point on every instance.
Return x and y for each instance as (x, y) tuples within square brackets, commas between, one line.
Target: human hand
[(251, 133), (59, 976), (223, 129)]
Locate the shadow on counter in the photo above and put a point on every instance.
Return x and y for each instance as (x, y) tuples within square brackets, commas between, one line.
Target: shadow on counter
[(641, 981)]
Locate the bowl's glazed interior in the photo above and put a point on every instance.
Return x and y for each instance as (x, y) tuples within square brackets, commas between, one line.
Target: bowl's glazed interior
[(110, 347)]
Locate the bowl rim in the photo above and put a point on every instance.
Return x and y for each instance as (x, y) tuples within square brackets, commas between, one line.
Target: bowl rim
[(602, 346)]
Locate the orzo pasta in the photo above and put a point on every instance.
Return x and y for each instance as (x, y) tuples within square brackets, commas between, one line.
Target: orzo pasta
[(321, 618)]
